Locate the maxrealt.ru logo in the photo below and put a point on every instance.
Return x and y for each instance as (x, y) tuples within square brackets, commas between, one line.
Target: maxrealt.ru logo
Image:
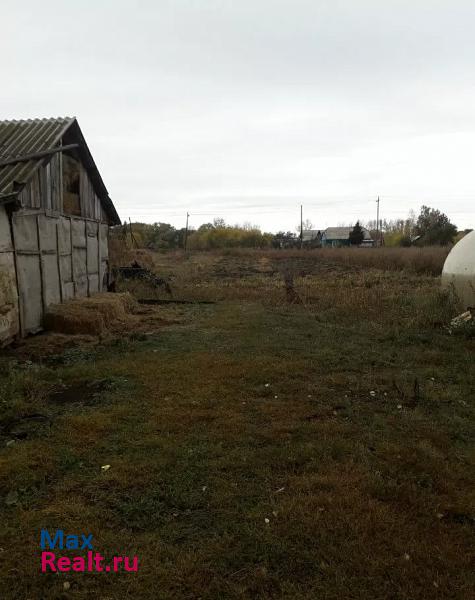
[(89, 562)]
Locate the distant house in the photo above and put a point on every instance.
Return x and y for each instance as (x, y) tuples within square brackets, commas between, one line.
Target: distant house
[(312, 237), (55, 214), (340, 236)]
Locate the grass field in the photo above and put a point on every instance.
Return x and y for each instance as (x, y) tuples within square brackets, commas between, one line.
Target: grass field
[(313, 440)]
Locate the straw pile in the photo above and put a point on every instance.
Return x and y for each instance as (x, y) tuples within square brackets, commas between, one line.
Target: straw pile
[(97, 315)]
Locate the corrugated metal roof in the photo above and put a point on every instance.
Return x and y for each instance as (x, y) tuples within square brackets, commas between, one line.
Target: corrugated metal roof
[(311, 234), (25, 137), (343, 233), (18, 138)]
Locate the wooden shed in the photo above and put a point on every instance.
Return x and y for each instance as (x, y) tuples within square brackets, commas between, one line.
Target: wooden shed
[(55, 214)]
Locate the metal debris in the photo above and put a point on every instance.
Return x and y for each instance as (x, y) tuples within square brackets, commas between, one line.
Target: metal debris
[(461, 319)]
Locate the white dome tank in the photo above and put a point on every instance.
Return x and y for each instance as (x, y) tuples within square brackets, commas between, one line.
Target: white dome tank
[(459, 271)]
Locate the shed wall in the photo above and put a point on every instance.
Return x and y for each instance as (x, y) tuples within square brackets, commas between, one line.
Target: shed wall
[(9, 316), (58, 258)]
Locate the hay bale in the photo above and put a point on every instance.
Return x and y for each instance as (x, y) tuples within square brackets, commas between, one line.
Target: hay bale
[(96, 315), (73, 320)]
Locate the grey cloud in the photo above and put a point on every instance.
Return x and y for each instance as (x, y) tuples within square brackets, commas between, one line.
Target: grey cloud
[(241, 106)]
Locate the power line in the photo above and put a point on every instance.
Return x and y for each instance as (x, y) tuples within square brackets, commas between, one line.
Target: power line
[(323, 204)]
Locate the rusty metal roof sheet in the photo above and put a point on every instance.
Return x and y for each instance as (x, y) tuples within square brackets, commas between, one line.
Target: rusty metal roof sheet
[(32, 136)]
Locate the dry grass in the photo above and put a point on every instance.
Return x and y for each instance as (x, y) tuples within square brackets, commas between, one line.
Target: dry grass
[(258, 449), (323, 284), (424, 260)]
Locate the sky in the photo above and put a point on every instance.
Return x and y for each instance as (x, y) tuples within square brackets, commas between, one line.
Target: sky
[(247, 109)]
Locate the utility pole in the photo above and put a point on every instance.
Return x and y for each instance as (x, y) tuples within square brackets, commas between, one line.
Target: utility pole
[(186, 231), (301, 226), (377, 224)]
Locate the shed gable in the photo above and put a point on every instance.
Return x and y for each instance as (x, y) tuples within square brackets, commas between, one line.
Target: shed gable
[(36, 156)]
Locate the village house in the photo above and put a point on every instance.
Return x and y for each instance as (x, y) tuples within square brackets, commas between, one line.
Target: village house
[(340, 236), (312, 237), (333, 237), (55, 214)]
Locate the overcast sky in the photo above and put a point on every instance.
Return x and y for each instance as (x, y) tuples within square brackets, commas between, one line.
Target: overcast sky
[(244, 109)]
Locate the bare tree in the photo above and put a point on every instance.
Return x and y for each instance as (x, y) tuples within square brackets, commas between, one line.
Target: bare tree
[(307, 224)]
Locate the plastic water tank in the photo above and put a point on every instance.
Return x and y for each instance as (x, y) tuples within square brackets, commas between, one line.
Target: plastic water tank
[(459, 271)]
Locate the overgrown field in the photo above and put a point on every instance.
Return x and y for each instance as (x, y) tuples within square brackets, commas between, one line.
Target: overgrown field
[(303, 429)]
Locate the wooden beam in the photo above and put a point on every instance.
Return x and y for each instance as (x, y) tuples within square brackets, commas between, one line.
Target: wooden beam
[(10, 197), (36, 155)]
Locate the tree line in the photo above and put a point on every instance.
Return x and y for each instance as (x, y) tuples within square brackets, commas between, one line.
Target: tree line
[(431, 227)]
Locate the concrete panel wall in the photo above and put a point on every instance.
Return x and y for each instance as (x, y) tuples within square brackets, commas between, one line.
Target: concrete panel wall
[(51, 281), (47, 232), (5, 237), (79, 249), (29, 269), (30, 291), (9, 317), (92, 241), (25, 232), (58, 258), (103, 255)]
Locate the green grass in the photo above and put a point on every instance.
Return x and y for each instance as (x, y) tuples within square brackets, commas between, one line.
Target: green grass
[(347, 422)]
